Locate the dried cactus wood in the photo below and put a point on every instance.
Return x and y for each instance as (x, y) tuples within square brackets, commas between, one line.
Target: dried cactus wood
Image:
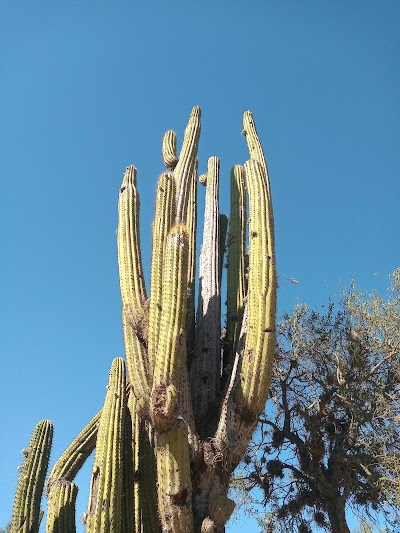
[(26, 511)]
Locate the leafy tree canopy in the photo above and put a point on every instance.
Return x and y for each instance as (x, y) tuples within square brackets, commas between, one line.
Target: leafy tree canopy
[(329, 438)]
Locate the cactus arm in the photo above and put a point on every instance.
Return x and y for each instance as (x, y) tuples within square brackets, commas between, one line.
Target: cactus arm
[(205, 367), (192, 226), (104, 513), (236, 244), (148, 480), (187, 159), (260, 342), (71, 461), (26, 509), (132, 284), (61, 508), (257, 153), (136, 358), (169, 149), (174, 482), (249, 384), (163, 221), (171, 350)]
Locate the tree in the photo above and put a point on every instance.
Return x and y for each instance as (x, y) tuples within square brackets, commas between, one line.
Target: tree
[(330, 435)]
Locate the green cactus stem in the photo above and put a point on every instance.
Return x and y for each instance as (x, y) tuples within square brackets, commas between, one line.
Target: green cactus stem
[(26, 510), (174, 482), (184, 171), (61, 508), (192, 226), (147, 470), (257, 154), (171, 352), (236, 247), (163, 221), (131, 516), (169, 149), (223, 229), (205, 366), (260, 340), (133, 289), (251, 370), (72, 460), (105, 505)]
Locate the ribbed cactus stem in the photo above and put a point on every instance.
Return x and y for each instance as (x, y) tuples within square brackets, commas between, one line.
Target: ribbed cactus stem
[(104, 510), (131, 518), (171, 352), (257, 153), (169, 149), (192, 227), (73, 458), (260, 341), (163, 221), (61, 508), (187, 159), (236, 247), (174, 482), (148, 480), (26, 509), (205, 367), (133, 291)]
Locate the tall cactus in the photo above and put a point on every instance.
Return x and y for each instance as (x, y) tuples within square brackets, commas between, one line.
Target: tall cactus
[(201, 434), (169, 437)]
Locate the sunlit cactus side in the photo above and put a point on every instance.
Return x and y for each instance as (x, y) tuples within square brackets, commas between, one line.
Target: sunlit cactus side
[(236, 249), (206, 362), (105, 498), (26, 511)]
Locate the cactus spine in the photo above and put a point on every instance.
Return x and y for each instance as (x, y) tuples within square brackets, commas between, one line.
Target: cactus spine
[(168, 439), (26, 511)]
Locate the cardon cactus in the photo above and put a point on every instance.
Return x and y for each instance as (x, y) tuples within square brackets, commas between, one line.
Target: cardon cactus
[(172, 431)]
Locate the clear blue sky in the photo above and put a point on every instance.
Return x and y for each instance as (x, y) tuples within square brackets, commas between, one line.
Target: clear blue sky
[(90, 87)]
